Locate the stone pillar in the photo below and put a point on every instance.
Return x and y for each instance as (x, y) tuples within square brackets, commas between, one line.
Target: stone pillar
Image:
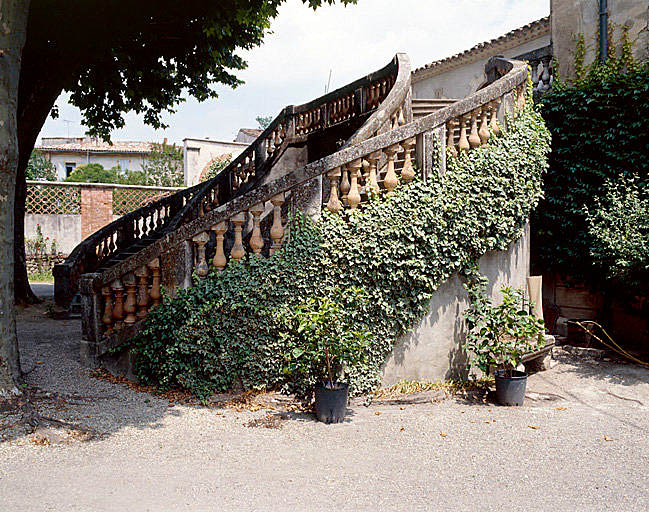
[(91, 318), (96, 208)]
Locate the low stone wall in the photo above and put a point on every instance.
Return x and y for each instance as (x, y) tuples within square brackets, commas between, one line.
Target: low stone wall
[(44, 262), (432, 350)]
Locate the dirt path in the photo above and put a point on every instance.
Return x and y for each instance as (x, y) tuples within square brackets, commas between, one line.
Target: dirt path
[(579, 443)]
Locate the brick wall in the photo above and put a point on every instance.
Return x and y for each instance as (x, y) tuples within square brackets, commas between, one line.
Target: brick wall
[(96, 209)]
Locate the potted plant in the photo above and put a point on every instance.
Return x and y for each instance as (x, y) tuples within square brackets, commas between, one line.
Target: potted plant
[(498, 336), (321, 344)]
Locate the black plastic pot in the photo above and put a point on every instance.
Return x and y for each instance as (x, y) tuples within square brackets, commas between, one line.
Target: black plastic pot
[(510, 390), (331, 403)]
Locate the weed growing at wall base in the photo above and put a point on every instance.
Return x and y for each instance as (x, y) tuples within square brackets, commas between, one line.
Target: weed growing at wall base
[(399, 250)]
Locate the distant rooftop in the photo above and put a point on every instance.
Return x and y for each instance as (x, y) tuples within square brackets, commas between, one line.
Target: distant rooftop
[(93, 145), (248, 135)]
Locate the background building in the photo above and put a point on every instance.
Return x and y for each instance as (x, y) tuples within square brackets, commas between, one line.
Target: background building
[(67, 153)]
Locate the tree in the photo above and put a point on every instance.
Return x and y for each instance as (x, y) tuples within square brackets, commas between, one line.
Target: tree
[(113, 57), (39, 168), (164, 167), (264, 121), (94, 173)]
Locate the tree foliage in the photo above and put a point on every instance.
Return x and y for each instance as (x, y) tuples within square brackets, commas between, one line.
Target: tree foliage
[(40, 168), (398, 250), (164, 166), (94, 173), (264, 121)]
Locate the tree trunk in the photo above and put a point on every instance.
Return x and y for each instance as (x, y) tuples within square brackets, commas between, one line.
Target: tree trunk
[(41, 81), (12, 40)]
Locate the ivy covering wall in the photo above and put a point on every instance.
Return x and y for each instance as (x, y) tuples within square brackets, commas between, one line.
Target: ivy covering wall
[(225, 330), (599, 137)]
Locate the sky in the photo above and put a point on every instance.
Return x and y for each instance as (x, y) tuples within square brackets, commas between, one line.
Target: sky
[(294, 62)]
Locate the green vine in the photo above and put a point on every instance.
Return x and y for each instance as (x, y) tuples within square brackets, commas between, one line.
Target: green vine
[(224, 331), (599, 135)]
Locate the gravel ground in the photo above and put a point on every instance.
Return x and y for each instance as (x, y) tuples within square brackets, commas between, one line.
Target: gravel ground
[(579, 443)]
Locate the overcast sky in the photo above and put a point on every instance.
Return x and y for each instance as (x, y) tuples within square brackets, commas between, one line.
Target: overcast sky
[(292, 66)]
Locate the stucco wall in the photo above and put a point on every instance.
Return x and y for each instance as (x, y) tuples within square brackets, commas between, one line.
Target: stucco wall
[(572, 17), (432, 350), (65, 228), (198, 153), (465, 79), (108, 161)]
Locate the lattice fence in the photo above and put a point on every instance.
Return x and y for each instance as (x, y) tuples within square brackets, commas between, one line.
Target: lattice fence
[(53, 199), (125, 200)]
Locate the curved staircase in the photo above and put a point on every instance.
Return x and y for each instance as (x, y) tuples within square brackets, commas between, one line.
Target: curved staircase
[(329, 153)]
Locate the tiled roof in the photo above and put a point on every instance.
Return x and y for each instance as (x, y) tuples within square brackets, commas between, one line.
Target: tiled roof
[(518, 36), (83, 145)]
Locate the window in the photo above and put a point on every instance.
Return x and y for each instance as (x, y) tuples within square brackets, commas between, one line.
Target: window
[(69, 167), (123, 164)]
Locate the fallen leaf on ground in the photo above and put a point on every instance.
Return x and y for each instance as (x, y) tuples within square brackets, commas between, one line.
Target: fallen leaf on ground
[(606, 438), (378, 413), (442, 434), (40, 362), (402, 429), (535, 427), (561, 408)]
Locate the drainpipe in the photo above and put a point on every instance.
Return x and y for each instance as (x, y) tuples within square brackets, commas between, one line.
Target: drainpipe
[(603, 31)]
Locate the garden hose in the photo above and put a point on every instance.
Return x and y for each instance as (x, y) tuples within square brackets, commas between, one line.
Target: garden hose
[(613, 346)]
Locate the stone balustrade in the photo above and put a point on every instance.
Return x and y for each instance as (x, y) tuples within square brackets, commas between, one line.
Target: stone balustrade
[(396, 150)]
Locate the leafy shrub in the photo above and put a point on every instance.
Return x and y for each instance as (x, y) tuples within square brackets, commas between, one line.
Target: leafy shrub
[(398, 250), (318, 340), (498, 336), (618, 224), (94, 173)]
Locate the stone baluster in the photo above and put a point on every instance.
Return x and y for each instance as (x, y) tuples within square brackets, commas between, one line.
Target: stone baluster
[(450, 139), (129, 305), (390, 181), (354, 196), (484, 125), (494, 126), (534, 74), (201, 263), (464, 142), (277, 230), (238, 252), (155, 294), (344, 185), (395, 121), (544, 81), (474, 137), (219, 261), (256, 240), (408, 172), (107, 318), (142, 273), (372, 184), (334, 205), (118, 305)]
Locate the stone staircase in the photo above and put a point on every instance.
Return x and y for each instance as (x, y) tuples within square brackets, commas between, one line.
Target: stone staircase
[(333, 152)]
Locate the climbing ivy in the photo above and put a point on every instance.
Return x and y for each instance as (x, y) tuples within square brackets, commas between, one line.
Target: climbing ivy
[(598, 124), (224, 332)]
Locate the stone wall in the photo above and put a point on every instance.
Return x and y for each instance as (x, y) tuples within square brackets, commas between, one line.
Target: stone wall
[(432, 350), (572, 17), (66, 229), (199, 153), (44, 262)]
